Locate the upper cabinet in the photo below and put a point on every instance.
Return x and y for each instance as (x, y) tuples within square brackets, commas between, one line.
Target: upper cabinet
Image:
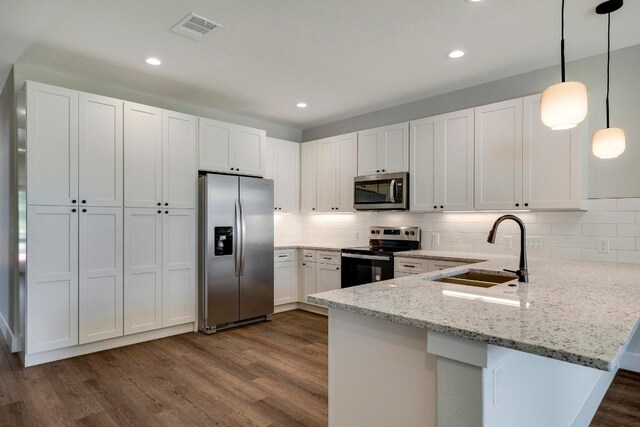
[(159, 157), (551, 162), (336, 169), (442, 162), (308, 180), (522, 164), (283, 166), (384, 150), (52, 157), (230, 148)]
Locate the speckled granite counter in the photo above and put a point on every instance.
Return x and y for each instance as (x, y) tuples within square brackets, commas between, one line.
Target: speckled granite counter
[(576, 311), (318, 247)]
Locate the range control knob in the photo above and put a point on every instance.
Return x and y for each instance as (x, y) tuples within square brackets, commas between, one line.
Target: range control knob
[(413, 233), (373, 231), (406, 233)]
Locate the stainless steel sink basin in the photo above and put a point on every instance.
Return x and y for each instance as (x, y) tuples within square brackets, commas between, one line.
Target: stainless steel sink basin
[(479, 279)]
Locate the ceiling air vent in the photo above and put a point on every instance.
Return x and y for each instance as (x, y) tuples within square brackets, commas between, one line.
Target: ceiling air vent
[(194, 26)]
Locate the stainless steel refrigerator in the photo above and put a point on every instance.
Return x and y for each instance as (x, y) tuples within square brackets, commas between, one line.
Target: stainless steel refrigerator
[(236, 251)]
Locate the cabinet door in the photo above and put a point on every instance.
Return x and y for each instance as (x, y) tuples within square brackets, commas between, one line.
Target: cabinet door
[(216, 146), (101, 274), (178, 271), (455, 164), (270, 163), (308, 170), (368, 151), (328, 277), (393, 149), (424, 164), (100, 151), (308, 280), (551, 162), (327, 175), (347, 170), (249, 148), (179, 160), (52, 278), (498, 155), (142, 270), (52, 148), (285, 283), (142, 156), (287, 176)]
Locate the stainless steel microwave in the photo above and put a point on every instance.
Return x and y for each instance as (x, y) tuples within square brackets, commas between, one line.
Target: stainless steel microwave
[(387, 191)]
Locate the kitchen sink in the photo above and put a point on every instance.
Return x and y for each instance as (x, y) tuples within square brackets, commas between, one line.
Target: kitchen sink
[(479, 279)]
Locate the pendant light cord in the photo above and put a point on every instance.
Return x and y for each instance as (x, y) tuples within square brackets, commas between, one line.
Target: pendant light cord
[(608, 61), (562, 45)]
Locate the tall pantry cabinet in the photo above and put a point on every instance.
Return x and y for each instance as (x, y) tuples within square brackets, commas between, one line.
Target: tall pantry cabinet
[(87, 162)]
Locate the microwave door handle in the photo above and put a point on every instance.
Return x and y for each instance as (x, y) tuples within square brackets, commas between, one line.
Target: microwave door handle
[(392, 190)]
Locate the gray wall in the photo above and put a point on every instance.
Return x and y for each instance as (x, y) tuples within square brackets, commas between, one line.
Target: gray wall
[(25, 72), (6, 202), (607, 178)]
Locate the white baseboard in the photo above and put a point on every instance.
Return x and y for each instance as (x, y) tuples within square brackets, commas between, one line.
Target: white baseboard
[(7, 333), (312, 308), (630, 361), (78, 350)]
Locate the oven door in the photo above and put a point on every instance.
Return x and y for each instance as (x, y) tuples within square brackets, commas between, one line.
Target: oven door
[(385, 191), (359, 269)]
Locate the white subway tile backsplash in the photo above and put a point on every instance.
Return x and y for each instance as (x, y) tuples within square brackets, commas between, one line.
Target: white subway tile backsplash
[(569, 235)]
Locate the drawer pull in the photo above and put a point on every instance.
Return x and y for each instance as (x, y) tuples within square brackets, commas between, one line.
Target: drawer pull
[(282, 256), (327, 258), (409, 266)]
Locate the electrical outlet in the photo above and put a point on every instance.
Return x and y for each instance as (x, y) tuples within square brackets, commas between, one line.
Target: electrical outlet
[(507, 241), (356, 235), (435, 239), (534, 241), (603, 246)]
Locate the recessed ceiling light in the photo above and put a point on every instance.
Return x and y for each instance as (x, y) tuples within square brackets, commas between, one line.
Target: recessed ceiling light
[(301, 105), (456, 54), (153, 61)]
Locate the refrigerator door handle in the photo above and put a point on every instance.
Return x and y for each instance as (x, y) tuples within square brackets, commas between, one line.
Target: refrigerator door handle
[(239, 237), (242, 238)]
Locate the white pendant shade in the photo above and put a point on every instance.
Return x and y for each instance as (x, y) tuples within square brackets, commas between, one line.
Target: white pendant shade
[(608, 143), (564, 105)]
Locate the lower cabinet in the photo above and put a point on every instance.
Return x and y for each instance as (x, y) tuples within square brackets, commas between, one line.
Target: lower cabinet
[(308, 275), (159, 268), (411, 266), (328, 277), (285, 277)]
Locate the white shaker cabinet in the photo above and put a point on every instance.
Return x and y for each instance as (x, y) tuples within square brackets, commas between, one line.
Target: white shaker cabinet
[(229, 148), (142, 155), (442, 162), (142, 269), (285, 277), (328, 277), (337, 167), (101, 274), (283, 166), (384, 149), (551, 162), (308, 179), (179, 160), (308, 275), (52, 155), (52, 278), (178, 266), (498, 155), (100, 151)]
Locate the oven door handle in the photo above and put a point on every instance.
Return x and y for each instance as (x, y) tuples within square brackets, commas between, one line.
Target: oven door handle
[(369, 257), (392, 190)]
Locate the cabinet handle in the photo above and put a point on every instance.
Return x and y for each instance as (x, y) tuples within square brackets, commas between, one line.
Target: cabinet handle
[(378, 171), (166, 212), (159, 204), (231, 168), (409, 266), (441, 207), (84, 201), (517, 204), (73, 210), (159, 212), (327, 258), (282, 256), (337, 268), (73, 201), (435, 207), (526, 204), (166, 204), (383, 170), (313, 209), (84, 210), (237, 169)]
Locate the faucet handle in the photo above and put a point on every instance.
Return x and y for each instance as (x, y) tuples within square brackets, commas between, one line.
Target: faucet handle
[(511, 271), (519, 273)]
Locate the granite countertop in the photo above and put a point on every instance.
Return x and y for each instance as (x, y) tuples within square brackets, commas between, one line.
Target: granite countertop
[(580, 312), (318, 247)]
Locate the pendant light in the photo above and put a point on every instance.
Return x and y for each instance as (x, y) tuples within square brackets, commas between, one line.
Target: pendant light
[(564, 105), (609, 142)]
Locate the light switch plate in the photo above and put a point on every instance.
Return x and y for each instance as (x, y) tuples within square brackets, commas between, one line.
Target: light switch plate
[(507, 241), (435, 239)]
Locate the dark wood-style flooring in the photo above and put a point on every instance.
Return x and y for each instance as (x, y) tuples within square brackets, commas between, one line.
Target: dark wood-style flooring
[(269, 374)]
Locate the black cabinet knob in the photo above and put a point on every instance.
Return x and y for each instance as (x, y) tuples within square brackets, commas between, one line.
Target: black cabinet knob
[(526, 204), (166, 212), (378, 171), (73, 201), (237, 169), (73, 210), (159, 204), (435, 207), (159, 212), (441, 207), (517, 204), (84, 201), (166, 204), (383, 170), (84, 210), (337, 268)]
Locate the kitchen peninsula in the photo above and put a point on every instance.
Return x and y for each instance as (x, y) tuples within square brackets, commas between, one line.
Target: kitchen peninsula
[(415, 351)]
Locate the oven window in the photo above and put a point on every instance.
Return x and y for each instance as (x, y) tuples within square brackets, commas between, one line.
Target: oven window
[(359, 272), (379, 191)]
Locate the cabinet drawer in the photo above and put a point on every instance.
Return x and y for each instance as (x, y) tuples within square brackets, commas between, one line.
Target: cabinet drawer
[(411, 265), (435, 265), (309, 255), (327, 257), (284, 255)]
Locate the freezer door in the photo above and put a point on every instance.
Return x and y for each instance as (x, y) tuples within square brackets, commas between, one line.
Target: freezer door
[(256, 269), (220, 296)]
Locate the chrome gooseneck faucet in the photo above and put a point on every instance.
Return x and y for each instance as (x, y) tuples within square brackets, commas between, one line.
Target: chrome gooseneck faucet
[(522, 273)]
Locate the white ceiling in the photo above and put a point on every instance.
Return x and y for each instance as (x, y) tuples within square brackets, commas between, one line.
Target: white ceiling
[(342, 57)]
